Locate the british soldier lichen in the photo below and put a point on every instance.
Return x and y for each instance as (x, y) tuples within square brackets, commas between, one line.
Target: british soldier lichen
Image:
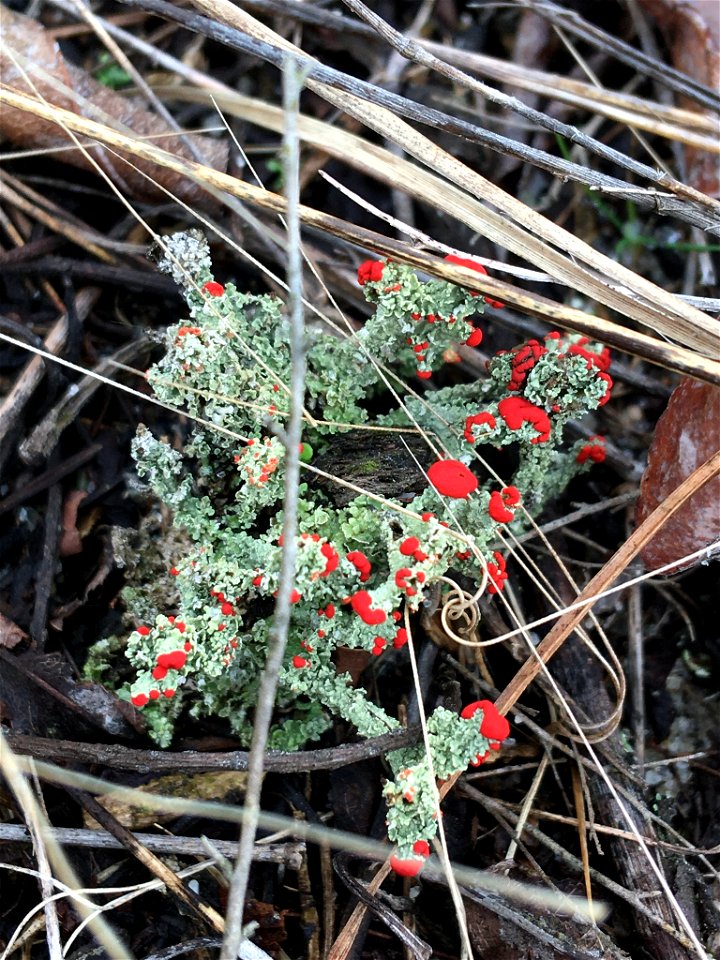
[(361, 564)]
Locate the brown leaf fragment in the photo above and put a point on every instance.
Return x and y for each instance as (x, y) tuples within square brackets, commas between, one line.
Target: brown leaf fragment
[(10, 633), (70, 539), (31, 62), (687, 434)]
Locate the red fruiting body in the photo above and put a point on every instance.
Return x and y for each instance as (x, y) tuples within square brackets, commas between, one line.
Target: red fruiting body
[(159, 673), (494, 726), (409, 867), (480, 759), (330, 611), (169, 693), (409, 546), (361, 563), (500, 501), (424, 374), (295, 596), (370, 271), (180, 626), (257, 581), (361, 603), (154, 694), (524, 359), (300, 662), (478, 420), (516, 411), (600, 360), (332, 558), (452, 478), (401, 638), (593, 450), (143, 631), (174, 660), (174, 571), (421, 848), (497, 509), (213, 289), (475, 338), (187, 646), (401, 577), (608, 388), (496, 574), (478, 268), (139, 700), (227, 610)]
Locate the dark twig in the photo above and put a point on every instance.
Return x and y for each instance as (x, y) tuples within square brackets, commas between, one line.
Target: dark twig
[(194, 761), (290, 854), (410, 941), (689, 205), (154, 864), (46, 572)]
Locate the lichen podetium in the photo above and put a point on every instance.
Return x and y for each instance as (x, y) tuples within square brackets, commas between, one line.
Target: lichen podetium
[(362, 560)]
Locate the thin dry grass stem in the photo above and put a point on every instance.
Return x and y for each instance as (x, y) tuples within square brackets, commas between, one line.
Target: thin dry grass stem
[(52, 925), (579, 799), (612, 569), (681, 359), (302, 830), (588, 71), (12, 769), (58, 224), (646, 65), (673, 123), (636, 901), (527, 806), (19, 241)]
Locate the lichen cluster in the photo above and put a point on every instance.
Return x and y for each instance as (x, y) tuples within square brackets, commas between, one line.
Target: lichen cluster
[(360, 565)]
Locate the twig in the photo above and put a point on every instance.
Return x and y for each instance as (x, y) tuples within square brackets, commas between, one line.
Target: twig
[(293, 77), (289, 854)]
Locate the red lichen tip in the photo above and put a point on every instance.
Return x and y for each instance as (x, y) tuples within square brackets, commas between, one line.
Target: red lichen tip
[(174, 660), (409, 546), (516, 411), (478, 420), (370, 271), (361, 602), (139, 700), (452, 478), (213, 289), (494, 726), (593, 450), (407, 867)]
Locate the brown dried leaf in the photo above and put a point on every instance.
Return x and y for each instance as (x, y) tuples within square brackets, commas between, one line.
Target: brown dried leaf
[(692, 28), (32, 63), (10, 633), (70, 539), (687, 435)]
